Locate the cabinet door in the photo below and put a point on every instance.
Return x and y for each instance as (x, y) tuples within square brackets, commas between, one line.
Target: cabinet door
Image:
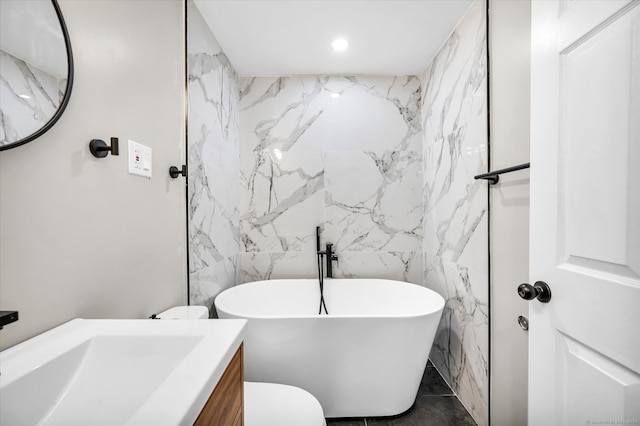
[(225, 406)]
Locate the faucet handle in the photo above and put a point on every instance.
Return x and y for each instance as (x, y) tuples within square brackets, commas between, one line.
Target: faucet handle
[(332, 254)]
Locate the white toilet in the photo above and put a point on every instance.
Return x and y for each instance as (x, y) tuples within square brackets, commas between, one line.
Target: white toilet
[(185, 312), (265, 404)]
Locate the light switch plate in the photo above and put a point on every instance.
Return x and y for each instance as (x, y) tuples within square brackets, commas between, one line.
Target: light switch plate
[(139, 159)]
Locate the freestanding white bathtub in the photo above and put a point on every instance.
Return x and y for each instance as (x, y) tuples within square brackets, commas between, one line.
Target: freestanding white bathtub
[(366, 358)]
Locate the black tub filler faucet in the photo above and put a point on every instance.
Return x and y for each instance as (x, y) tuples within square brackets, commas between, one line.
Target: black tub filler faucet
[(331, 257)]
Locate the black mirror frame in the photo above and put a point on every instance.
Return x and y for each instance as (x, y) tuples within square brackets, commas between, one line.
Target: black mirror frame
[(67, 94)]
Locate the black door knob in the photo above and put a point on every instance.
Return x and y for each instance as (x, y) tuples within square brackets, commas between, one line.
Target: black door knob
[(540, 290), (527, 291)]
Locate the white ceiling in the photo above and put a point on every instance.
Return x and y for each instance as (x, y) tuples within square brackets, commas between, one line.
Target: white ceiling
[(386, 37)]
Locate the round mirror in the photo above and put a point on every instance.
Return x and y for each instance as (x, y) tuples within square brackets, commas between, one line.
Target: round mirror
[(36, 69)]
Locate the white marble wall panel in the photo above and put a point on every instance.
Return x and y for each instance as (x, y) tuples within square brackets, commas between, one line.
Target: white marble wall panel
[(343, 153), (213, 163), (29, 97), (282, 200), (393, 265), (454, 114), (330, 113), (258, 266), (373, 200)]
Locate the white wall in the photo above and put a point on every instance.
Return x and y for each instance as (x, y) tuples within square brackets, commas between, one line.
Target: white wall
[(509, 227), (79, 236)]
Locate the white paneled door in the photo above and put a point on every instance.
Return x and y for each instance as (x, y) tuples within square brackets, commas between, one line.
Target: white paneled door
[(584, 356)]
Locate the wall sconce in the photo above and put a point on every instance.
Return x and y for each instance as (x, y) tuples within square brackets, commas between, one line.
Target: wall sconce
[(100, 149)]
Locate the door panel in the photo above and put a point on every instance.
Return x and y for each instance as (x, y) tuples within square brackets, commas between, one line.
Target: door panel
[(584, 358), (598, 78), (619, 387)]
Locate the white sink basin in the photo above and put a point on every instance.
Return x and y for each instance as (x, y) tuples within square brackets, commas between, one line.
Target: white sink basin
[(116, 372)]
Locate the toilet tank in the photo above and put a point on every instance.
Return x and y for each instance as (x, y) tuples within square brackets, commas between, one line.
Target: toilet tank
[(185, 312)]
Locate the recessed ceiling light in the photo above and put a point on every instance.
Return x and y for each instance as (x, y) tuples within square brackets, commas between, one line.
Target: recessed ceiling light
[(340, 44), (25, 96), (335, 95)]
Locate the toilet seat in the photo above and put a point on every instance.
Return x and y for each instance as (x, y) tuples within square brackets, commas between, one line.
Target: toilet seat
[(269, 404)]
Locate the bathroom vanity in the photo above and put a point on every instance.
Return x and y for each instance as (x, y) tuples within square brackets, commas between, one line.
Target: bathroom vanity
[(126, 372), (225, 406)]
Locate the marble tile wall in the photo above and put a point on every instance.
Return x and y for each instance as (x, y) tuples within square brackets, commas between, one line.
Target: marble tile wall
[(357, 156), (343, 153), (29, 97), (214, 164), (454, 114)]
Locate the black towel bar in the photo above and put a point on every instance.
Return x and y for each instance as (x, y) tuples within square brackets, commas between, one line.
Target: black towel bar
[(494, 177)]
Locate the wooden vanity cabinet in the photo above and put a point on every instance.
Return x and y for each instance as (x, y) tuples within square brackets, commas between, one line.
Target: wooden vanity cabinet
[(225, 406)]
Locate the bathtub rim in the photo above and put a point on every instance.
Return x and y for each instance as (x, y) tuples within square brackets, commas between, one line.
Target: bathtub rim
[(236, 314)]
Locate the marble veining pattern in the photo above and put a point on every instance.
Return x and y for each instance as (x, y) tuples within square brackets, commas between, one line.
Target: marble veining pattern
[(281, 200), (213, 163), (343, 153), (29, 97), (324, 113), (371, 201), (455, 244)]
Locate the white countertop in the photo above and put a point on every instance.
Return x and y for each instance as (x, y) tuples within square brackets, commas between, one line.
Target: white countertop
[(104, 372)]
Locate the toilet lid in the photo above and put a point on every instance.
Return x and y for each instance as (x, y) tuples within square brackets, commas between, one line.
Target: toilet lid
[(269, 404)]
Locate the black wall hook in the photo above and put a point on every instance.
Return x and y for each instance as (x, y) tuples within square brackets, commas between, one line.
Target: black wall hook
[(174, 172), (7, 317), (100, 149)]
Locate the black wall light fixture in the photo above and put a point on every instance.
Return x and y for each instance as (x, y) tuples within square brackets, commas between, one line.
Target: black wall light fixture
[(100, 149)]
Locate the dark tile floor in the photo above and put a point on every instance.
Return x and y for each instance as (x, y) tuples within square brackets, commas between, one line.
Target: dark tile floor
[(435, 405)]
